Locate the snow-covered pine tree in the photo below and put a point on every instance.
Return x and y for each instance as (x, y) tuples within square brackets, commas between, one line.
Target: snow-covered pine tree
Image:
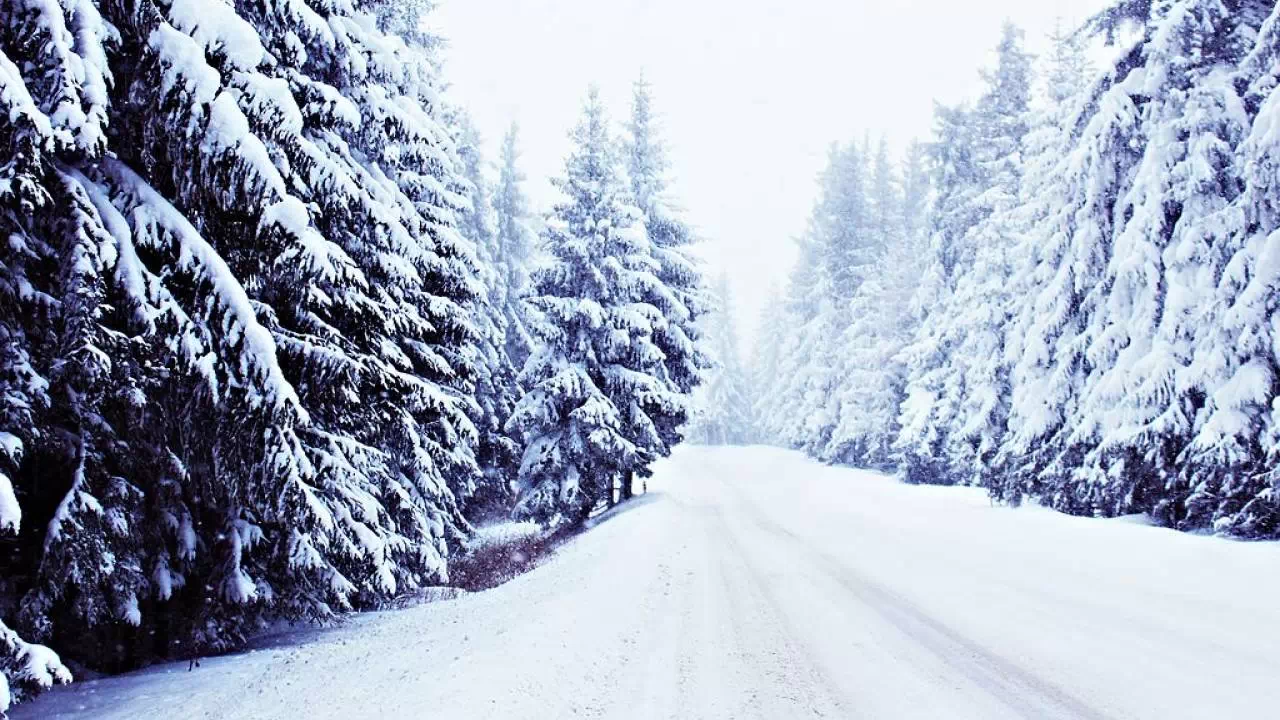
[(771, 334), (982, 304), (1069, 263), (350, 250), (931, 396), (107, 331), (496, 388), (242, 375), (1226, 471), (724, 415), (802, 376), (849, 224), (813, 410), (515, 239), (416, 151), (954, 415), (198, 158), (872, 374), (1046, 150), (798, 409), (779, 415), (1141, 407), (52, 98), (916, 191), (597, 372), (213, 448), (103, 333), (842, 236), (885, 202), (681, 295)]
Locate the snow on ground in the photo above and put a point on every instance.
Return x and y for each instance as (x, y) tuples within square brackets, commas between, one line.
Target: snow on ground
[(761, 585)]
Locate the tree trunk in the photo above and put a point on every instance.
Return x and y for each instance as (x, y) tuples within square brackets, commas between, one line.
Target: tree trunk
[(584, 514), (628, 486)]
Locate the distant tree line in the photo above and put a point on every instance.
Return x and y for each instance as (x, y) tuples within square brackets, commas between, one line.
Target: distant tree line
[(1069, 295)]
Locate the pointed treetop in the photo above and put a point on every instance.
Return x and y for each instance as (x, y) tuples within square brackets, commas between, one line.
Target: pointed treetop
[(592, 151), (511, 151), (1009, 82), (646, 153)]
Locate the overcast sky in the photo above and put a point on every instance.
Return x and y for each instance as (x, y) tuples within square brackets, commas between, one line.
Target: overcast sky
[(751, 93)]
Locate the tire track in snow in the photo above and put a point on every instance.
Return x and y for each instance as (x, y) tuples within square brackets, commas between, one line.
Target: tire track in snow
[(791, 664), (1023, 692), (748, 645), (703, 674)]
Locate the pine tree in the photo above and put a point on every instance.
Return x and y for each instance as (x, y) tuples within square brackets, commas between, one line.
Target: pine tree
[(1141, 405), (680, 296), (724, 414), (515, 241), (238, 372), (872, 374), (772, 332), (597, 385), (931, 397), (357, 225), (780, 414), (1225, 481), (496, 388), (843, 239), (982, 302), (916, 185), (1035, 268), (53, 81), (956, 407), (1100, 167)]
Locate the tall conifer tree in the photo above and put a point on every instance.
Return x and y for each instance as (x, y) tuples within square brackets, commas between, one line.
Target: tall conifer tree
[(598, 389)]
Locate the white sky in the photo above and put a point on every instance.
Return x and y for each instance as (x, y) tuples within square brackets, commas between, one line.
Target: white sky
[(751, 93)]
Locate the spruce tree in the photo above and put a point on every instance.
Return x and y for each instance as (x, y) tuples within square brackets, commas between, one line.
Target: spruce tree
[(237, 369), (955, 413), (724, 415), (1228, 469), (771, 334), (930, 404), (680, 296), (1036, 281), (356, 261), (516, 241), (1141, 406), (1228, 466), (597, 381), (797, 308), (982, 303), (496, 388), (872, 373), (844, 246), (54, 340)]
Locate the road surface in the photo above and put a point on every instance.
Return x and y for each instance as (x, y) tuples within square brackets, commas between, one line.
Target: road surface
[(756, 584)]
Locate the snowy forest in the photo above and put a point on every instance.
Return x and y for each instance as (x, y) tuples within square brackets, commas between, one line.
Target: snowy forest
[(277, 336), (274, 338), (1067, 295)]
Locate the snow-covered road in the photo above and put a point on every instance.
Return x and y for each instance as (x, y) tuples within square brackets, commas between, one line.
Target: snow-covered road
[(756, 584)]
